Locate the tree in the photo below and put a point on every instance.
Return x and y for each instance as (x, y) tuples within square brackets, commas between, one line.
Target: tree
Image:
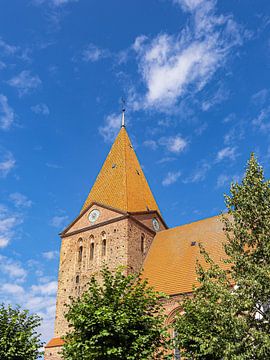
[(19, 339), (229, 317), (122, 318)]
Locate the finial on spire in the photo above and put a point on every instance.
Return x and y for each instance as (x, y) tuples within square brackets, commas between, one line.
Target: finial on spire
[(123, 112)]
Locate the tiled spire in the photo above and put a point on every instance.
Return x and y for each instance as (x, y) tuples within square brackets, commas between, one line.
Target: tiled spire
[(121, 182)]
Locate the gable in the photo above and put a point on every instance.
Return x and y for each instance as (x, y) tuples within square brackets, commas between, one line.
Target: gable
[(146, 218), (82, 221)]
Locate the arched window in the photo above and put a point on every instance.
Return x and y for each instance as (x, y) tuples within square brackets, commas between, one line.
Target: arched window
[(143, 243), (92, 249), (177, 354), (104, 243), (77, 280), (80, 253), (170, 322)]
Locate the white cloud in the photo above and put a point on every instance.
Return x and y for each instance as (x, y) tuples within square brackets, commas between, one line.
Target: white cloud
[(200, 173), (111, 127), (152, 144), (262, 121), (12, 268), (190, 5), (7, 114), (45, 289), (173, 66), (38, 297), (224, 180), (20, 200), (2, 65), (7, 48), (50, 255), (175, 144), (7, 163), (62, 2), (171, 178), (59, 221), (40, 109), (260, 97), (8, 223), (229, 118), (220, 95), (166, 160), (54, 3), (93, 53), (226, 153), (12, 289), (53, 166), (25, 82)]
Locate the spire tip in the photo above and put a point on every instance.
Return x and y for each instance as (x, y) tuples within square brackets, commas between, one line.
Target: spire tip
[(123, 112)]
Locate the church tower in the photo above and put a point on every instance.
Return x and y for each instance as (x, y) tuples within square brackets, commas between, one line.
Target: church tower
[(116, 226)]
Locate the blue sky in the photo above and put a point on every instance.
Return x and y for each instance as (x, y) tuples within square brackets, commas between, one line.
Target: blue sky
[(195, 76)]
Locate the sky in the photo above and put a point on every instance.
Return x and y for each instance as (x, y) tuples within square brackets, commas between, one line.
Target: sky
[(195, 75)]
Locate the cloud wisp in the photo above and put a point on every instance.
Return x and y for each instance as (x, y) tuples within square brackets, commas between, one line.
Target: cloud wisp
[(54, 3), (40, 109), (20, 200), (59, 221), (226, 153), (171, 178), (8, 223), (93, 53), (172, 66), (111, 127), (50, 255), (7, 163), (7, 114), (25, 82)]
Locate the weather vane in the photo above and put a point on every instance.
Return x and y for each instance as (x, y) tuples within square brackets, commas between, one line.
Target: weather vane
[(123, 111)]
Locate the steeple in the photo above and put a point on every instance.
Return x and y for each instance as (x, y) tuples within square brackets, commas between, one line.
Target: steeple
[(121, 182)]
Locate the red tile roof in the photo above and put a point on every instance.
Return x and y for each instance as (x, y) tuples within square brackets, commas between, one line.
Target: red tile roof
[(170, 265), (54, 342)]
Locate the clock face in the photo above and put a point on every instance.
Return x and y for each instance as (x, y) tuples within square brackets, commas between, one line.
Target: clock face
[(155, 223), (93, 216)]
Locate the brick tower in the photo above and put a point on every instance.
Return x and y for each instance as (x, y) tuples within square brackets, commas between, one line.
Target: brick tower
[(116, 226)]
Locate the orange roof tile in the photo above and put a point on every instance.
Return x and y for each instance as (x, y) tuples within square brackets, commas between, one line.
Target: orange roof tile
[(170, 265), (54, 342), (121, 183)]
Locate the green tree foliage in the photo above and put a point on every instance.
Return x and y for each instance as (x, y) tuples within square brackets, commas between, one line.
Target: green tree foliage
[(229, 315), (19, 339), (120, 319)]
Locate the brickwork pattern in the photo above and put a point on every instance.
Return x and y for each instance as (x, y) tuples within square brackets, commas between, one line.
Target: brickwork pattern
[(77, 265), (53, 353)]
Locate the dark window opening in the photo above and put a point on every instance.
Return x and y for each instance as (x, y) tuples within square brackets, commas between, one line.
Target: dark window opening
[(92, 247), (142, 243), (104, 247), (80, 253)]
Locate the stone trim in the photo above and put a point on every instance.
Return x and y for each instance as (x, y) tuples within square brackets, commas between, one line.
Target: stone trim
[(63, 235)]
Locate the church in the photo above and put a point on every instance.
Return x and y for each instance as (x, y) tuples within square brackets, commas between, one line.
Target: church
[(120, 224)]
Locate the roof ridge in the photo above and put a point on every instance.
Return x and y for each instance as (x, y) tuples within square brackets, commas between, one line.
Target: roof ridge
[(193, 222), (126, 167)]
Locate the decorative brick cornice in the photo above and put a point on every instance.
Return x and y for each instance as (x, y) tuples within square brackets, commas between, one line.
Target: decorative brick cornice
[(111, 221)]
